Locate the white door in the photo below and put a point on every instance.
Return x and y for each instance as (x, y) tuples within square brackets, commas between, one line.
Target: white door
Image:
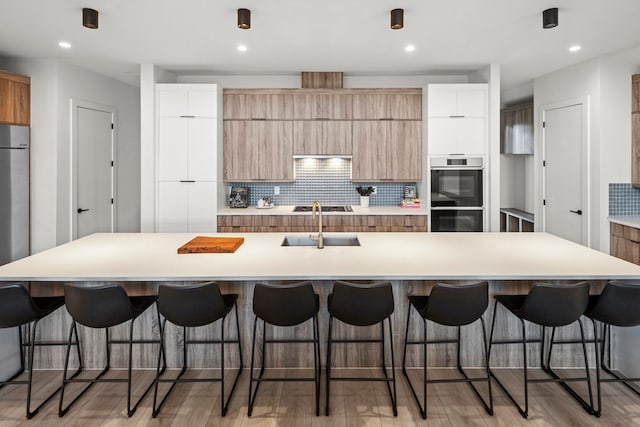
[(94, 179), (565, 173)]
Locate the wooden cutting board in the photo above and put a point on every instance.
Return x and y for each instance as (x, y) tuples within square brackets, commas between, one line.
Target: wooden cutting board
[(211, 245)]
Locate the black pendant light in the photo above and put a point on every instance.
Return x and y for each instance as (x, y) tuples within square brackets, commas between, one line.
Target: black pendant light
[(397, 19), (550, 18), (244, 19), (90, 18)]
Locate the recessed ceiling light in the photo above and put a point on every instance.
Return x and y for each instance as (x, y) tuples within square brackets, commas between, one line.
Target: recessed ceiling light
[(409, 48), (242, 48), (575, 48), (65, 45)]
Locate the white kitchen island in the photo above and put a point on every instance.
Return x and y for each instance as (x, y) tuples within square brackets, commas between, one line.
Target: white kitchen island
[(413, 262), (380, 256)]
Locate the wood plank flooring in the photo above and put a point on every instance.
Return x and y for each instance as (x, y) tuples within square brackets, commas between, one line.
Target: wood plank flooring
[(292, 404)]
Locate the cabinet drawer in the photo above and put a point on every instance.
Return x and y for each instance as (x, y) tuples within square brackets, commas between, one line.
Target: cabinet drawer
[(626, 232), (625, 249)]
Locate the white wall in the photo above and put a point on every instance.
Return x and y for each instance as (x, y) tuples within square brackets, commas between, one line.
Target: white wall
[(581, 81), (79, 84), (53, 84), (606, 83)]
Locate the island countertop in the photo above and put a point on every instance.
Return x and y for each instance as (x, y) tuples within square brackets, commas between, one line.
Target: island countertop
[(381, 256)]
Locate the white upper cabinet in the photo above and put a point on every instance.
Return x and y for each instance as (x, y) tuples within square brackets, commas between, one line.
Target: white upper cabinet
[(187, 100), (457, 122), (454, 100)]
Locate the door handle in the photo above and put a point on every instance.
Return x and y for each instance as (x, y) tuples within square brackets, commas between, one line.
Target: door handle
[(80, 210), (579, 212)]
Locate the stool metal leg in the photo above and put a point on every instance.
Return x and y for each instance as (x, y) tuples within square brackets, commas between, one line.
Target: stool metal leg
[(328, 366), (316, 362), (563, 381), (422, 407), (394, 395), (253, 350)]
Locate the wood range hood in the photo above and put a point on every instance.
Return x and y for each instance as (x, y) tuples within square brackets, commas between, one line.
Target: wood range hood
[(321, 80)]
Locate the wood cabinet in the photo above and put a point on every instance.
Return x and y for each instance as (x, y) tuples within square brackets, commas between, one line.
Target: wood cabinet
[(516, 130), (257, 105), (322, 122), (333, 137), (258, 150), (15, 99), (385, 105), (516, 220), (330, 223), (635, 131), (326, 106), (457, 121), (625, 242), (386, 151), (186, 150)]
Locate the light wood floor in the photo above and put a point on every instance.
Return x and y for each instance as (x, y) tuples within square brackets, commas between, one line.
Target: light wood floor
[(291, 404)]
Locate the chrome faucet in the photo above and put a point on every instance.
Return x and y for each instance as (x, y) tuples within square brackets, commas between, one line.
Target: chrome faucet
[(319, 237)]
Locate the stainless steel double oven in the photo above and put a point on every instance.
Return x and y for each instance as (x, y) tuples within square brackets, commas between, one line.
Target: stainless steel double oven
[(457, 185)]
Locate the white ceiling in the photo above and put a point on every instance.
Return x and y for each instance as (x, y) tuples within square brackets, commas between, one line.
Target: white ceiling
[(290, 36)]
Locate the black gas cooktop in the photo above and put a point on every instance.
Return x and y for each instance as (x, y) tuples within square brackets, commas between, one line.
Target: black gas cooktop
[(342, 208)]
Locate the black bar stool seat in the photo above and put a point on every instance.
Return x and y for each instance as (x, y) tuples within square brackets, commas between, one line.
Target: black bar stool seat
[(102, 307), (17, 309), (362, 305), (285, 306), (196, 306), (455, 306), (553, 306), (618, 305)]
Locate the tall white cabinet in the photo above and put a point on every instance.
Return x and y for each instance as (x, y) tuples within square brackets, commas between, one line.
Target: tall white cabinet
[(187, 129), (457, 119)]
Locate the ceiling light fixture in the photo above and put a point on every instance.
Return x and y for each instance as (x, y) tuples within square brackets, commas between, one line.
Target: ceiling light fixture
[(89, 18), (397, 19), (65, 45), (575, 48), (244, 19), (409, 48), (550, 18), (242, 48)]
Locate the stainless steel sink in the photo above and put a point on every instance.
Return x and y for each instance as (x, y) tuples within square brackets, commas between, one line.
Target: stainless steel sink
[(328, 241)]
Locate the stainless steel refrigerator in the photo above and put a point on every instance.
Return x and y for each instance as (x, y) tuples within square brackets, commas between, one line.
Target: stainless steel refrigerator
[(14, 193), (14, 222)]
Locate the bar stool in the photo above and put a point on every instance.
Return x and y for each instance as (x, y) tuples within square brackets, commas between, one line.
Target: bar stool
[(18, 309), (102, 307), (193, 306), (362, 305), (285, 305), (618, 305), (449, 305), (552, 306)]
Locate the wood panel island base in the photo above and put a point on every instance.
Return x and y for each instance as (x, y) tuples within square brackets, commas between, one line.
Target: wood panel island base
[(412, 262)]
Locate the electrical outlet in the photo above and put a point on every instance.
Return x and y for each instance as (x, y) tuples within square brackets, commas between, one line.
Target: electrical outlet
[(375, 189), (276, 190)]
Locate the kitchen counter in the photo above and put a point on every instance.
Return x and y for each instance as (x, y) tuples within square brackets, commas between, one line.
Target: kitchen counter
[(357, 210), (381, 256), (412, 262), (628, 220)]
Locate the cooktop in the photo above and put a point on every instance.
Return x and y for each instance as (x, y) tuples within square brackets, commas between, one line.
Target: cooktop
[(341, 208)]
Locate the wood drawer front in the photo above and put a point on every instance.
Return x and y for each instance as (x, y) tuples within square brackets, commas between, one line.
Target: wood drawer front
[(330, 223), (625, 249), (235, 223), (272, 223), (408, 223), (630, 233)]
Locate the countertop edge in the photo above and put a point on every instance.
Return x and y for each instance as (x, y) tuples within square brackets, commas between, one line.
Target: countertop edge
[(628, 220)]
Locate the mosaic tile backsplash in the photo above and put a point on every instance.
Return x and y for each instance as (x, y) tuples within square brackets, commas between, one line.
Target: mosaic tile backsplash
[(623, 199), (325, 180)]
